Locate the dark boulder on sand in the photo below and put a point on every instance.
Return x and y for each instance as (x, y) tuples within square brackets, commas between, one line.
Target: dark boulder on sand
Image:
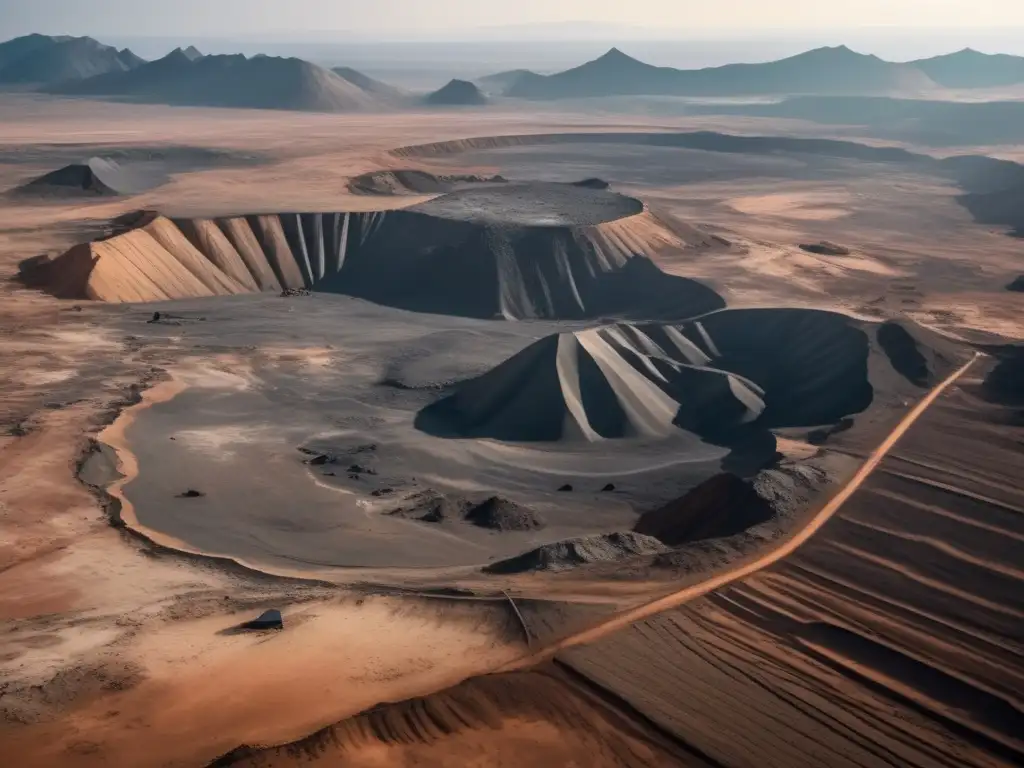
[(271, 619), (825, 248)]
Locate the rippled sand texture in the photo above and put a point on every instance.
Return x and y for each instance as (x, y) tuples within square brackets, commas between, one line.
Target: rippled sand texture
[(893, 637)]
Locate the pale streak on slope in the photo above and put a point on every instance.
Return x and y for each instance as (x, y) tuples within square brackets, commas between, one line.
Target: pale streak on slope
[(623, 620), (648, 409)]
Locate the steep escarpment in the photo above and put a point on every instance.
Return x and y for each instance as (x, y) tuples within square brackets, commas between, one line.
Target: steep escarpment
[(510, 251)]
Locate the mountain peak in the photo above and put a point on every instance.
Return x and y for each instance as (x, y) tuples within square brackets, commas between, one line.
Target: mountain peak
[(837, 53), (614, 54), (616, 59), (177, 54), (836, 50)]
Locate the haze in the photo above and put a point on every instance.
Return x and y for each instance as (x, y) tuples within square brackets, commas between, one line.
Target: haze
[(447, 18)]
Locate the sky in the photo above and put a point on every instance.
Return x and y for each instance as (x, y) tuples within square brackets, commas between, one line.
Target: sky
[(456, 19)]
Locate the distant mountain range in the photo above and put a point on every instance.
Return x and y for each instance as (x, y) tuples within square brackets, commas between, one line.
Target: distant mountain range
[(46, 59), (831, 71), (972, 69), (82, 66), (85, 67), (185, 77)]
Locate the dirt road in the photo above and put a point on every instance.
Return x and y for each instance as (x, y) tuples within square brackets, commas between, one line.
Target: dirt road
[(675, 599)]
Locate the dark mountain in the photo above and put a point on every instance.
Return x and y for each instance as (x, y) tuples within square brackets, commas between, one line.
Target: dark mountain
[(66, 59), (824, 70), (130, 58), (972, 69), (457, 93), (368, 85), (148, 78), (193, 53), (22, 46), (260, 82), (500, 82)]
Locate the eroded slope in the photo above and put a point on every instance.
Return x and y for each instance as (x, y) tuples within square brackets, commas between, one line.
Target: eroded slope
[(514, 252)]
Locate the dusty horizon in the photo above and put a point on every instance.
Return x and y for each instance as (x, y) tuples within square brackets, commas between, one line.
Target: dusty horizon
[(526, 20)]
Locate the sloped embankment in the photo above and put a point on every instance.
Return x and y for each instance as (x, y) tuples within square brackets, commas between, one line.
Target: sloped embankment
[(519, 251)]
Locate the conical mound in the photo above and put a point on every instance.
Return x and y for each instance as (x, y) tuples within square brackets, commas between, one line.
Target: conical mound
[(715, 377)]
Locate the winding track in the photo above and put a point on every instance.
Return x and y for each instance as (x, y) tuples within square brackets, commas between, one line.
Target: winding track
[(633, 615)]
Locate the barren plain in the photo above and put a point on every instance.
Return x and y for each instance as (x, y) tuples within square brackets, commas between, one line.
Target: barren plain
[(562, 438)]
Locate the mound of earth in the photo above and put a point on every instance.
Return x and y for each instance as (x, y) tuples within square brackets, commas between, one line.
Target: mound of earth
[(457, 93), (47, 60), (1016, 285), (498, 514), (412, 182), (721, 506), (495, 513), (728, 373), (586, 550), (260, 82), (510, 251), (725, 505), (96, 176), (825, 248), (432, 506)]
